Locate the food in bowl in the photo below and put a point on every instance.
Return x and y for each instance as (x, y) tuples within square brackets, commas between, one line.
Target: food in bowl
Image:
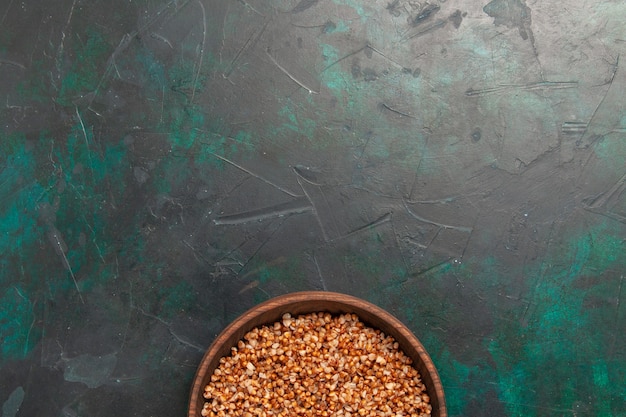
[(316, 364)]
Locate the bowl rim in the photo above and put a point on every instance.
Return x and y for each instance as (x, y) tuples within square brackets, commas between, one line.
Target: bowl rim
[(242, 324)]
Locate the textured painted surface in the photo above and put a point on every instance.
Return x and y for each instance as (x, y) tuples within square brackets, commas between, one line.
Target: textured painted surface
[(164, 166)]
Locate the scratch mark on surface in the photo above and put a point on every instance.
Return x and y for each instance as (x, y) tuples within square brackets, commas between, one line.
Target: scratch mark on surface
[(93, 240), (250, 286), (315, 213), (111, 63), (82, 125), (305, 174), (298, 206), (194, 251), (379, 221), (367, 45), (261, 246), (606, 93), (169, 329), (444, 200), (612, 216), (619, 297), (364, 148), (61, 44), (399, 245), (54, 236), (539, 85), (319, 273), (385, 218), (257, 176), (278, 261), (30, 329), (4, 16), (603, 198), (344, 57), (248, 6), (432, 269), (252, 39), (445, 226), (293, 78), (385, 56), (324, 25), (226, 267), (128, 38), (9, 62), (469, 237), (543, 268), (573, 127), (163, 39), (20, 294), (436, 25), (428, 11), (303, 5), (195, 82), (417, 170), (391, 109), (32, 324)]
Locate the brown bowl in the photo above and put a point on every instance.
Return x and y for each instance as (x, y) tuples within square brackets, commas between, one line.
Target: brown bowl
[(310, 302)]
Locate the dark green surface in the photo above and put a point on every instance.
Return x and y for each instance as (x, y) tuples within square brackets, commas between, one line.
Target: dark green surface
[(164, 166)]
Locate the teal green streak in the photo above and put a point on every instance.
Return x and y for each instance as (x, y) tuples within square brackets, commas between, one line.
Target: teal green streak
[(456, 375), (283, 271), (334, 78), (19, 232), (378, 147), (89, 53), (600, 375), (329, 53), (11, 143), (154, 71), (164, 296), (357, 6), (597, 250), (341, 27), (611, 151), (19, 237), (16, 325), (475, 46), (92, 176), (280, 275), (184, 128), (196, 144), (86, 70), (152, 358), (562, 347), (177, 299), (542, 354), (197, 138), (294, 124), (462, 382), (80, 160), (185, 80), (209, 146), (18, 202)]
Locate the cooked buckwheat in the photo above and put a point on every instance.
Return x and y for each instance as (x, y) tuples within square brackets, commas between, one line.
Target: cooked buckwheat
[(316, 365)]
